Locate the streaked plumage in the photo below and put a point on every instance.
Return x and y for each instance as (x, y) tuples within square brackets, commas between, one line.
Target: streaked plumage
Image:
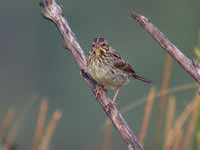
[(108, 68)]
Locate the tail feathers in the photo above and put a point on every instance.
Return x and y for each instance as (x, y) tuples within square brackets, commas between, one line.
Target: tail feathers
[(142, 79)]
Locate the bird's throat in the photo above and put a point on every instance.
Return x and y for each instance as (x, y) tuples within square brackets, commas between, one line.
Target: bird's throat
[(98, 52)]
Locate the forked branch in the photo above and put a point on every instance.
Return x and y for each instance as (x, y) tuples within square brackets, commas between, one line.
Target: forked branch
[(191, 67), (53, 12)]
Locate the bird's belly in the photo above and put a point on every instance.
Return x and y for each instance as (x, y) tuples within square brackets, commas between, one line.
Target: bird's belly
[(107, 78)]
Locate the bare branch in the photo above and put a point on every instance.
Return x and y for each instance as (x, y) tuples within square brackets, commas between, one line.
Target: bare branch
[(53, 12), (192, 67)]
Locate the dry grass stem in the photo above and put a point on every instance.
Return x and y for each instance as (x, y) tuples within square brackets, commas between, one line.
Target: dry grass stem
[(6, 124), (179, 123), (40, 124), (178, 139), (163, 98), (165, 80), (107, 137), (187, 143), (186, 112), (10, 139), (169, 123), (141, 101), (50, 130), (198, 141), (147, 114)]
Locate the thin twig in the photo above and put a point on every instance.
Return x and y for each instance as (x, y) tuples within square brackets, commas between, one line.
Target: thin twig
[(53, 12), (192, 67)]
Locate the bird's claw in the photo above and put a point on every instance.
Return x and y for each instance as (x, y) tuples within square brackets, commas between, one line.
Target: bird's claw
[(110, 106), (98, 92)]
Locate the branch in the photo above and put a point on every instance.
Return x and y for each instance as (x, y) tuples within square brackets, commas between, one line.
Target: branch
[(191, 67), (53, 12)]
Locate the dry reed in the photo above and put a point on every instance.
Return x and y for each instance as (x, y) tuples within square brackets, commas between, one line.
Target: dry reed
[(198, 141), (50, 130), (169, 122), (147, 114), (6, 124), (178, 139), (187, 143), (163, 98), (39, 131), (107, 137)]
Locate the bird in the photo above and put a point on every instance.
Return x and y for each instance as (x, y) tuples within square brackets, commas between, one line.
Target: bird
[(108, 68)]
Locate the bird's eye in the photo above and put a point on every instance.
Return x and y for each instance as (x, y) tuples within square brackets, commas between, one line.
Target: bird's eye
[(103, 45)]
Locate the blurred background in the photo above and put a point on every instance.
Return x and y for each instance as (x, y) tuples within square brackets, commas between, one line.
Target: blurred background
[(34, 65)]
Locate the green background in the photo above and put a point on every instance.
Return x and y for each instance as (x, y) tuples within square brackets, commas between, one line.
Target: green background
[(33, 62)]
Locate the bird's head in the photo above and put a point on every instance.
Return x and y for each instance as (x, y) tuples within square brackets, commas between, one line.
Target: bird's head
[(99, 46)]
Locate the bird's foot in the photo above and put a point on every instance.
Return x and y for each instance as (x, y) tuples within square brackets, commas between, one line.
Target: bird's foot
[(110, 106), (98, 92)]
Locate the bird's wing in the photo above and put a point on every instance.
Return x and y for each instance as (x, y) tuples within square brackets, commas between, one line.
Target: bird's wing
[(119, 63), (114, 53), (122, 65)]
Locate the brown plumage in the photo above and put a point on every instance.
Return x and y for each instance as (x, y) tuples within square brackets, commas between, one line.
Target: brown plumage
[(108, 68)]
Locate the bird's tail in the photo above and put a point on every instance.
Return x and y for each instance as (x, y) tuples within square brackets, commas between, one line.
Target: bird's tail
[(142, 79)]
